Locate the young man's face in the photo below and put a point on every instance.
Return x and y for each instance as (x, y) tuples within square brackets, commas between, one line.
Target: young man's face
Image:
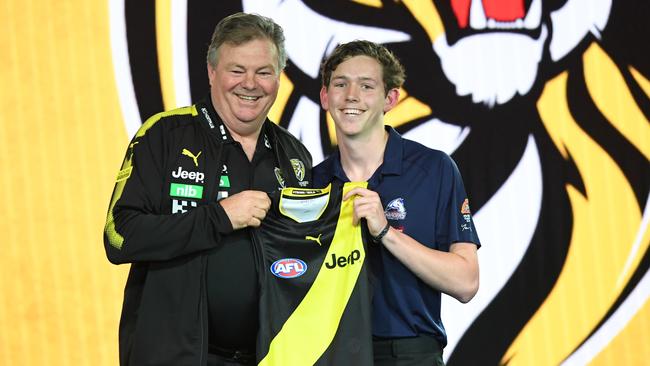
[(244, 83), (356, 98)]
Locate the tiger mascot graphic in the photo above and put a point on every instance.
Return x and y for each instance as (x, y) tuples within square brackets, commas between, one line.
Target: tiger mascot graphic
[(544, 105)]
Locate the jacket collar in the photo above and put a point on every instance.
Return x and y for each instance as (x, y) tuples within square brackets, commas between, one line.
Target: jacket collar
[(211, 120)]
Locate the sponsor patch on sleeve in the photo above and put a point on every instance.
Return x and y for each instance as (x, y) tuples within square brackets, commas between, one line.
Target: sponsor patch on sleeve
[(124, 174), (464, 209)]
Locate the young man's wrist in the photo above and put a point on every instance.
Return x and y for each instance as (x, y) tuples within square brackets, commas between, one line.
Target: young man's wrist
[(382, 234)]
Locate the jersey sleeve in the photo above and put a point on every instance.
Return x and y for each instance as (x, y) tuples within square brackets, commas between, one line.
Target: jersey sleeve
[(136, 230), (454, 217)]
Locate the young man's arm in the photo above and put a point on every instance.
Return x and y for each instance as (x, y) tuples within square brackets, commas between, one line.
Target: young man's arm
[(454, 273)]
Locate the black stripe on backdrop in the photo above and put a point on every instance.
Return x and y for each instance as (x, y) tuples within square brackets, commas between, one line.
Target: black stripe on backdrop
[(143, 56)]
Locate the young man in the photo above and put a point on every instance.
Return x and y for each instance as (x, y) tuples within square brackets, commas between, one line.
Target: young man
[(415, 208), (192, 183)]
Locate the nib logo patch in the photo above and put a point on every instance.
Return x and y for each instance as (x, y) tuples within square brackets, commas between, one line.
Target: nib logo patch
[(185, 190)]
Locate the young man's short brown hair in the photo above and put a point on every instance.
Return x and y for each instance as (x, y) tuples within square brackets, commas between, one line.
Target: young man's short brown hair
[(392, 70)]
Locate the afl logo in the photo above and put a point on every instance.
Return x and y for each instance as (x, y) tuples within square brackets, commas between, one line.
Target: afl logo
[(288, 268)]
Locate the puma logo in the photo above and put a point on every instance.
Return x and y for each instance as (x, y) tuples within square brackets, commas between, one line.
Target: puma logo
[(186, 152), (316, 239)]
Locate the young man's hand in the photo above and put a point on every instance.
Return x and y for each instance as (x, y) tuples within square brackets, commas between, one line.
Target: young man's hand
[(367, 205)]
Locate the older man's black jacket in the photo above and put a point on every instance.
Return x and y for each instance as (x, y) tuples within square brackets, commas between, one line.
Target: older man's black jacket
[(160, 223)]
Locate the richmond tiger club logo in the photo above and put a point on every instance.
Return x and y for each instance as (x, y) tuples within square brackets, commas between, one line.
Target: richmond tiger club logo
[(298, 169), (542, 104)]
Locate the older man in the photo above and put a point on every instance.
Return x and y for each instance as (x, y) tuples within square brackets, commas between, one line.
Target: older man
[(193, 181)]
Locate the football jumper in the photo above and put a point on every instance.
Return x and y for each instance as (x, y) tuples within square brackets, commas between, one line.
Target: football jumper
[(315, 297)]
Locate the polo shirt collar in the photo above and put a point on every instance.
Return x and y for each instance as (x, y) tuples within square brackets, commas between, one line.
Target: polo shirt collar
[(392, 164), (334, 169)]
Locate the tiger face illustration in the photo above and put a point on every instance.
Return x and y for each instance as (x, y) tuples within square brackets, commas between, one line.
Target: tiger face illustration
[(483, 75), (506, 43), (544, 106)]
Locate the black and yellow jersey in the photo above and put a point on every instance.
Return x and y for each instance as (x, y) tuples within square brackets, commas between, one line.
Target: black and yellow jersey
[(315, 299)]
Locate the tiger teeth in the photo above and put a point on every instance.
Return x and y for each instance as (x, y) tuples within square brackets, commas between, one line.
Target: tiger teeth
[(478, 20)]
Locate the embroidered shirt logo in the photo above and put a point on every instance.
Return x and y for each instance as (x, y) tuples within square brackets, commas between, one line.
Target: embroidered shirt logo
[(184, 174), (266, 142), (298, 168), (464, 209), (316, 239), (186, 152), (224, 181), (395, 210), (124, 174), (181, 206), (221, 195), (279, 177), (207, 117), (186, 190)]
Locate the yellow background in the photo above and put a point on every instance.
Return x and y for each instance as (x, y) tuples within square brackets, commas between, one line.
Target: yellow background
[(62, 141)]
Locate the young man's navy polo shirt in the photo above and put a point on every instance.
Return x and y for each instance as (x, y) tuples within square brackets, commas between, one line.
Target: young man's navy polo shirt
[(422, 193)]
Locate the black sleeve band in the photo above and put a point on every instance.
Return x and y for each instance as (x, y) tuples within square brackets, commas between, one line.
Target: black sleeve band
[(384, 231)]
